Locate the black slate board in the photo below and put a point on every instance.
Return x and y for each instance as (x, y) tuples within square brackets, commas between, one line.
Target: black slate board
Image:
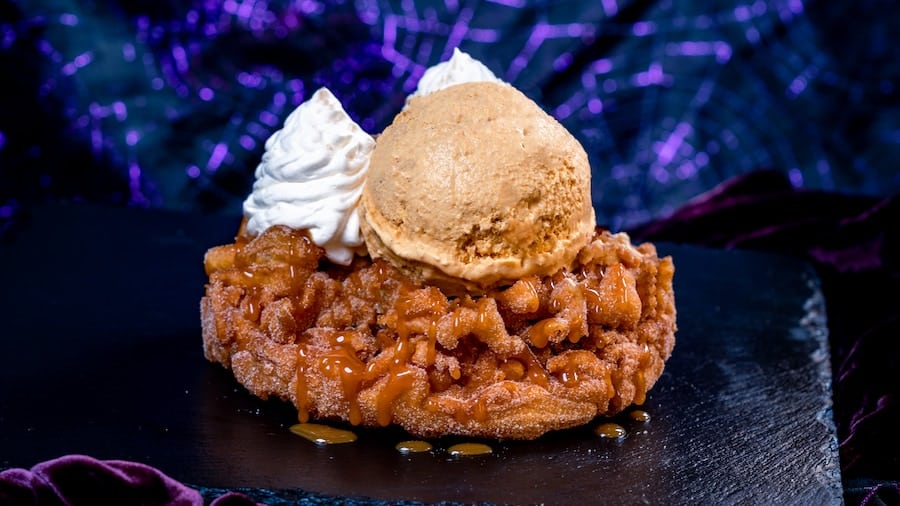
[(101, 352)]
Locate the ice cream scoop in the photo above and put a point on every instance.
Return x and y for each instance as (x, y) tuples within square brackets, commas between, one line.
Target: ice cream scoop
[(475, 186)]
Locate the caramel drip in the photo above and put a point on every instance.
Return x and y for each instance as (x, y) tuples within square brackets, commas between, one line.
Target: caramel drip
[(251, 304), (555, 305), (622, 287), (400, 379), (383, 340), (570, 378), (469, 449), (301, 389), (323, 434), (482, 314), (610, 386), (639, 415), (431, 355), (594, 301), (540, 333), (640, 387), (456, 323), (343, 363), (568, 372), (615, 382), (414, 446), (533, 369), (610, 430), (403, 309), (534, 298), (402, 350)]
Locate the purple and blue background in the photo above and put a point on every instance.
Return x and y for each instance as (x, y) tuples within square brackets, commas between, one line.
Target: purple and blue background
[(168, 104)]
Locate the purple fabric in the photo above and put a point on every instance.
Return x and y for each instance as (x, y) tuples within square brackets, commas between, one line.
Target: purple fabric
[(854, 242), (76, 480)]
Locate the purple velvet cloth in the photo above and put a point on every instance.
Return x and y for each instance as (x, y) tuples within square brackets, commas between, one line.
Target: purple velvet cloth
[(853, 241), (76, 480)]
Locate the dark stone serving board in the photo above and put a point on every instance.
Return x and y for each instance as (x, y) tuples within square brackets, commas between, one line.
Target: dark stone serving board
[(102, 356)]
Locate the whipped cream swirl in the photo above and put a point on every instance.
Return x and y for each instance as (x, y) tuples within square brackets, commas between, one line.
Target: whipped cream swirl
[(460, 68), (311, 176)]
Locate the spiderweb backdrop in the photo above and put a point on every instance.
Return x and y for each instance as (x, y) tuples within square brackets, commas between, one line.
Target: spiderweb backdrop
[(168, 104)]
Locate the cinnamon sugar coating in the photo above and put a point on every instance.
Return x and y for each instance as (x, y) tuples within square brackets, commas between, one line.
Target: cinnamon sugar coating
[(367, 345)]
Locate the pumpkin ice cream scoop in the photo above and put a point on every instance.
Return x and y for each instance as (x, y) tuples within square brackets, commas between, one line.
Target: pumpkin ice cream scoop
[(474, 186)]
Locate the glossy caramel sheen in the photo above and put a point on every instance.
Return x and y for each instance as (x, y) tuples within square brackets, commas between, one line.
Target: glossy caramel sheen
[(639, 415), (610, 430), (414, 446), (469, 449), (323, 434)]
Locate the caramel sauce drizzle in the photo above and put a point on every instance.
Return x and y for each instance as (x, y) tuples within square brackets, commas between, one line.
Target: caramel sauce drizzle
[(539, 334), (594, 300), (533, 369), (323, 434), (416, 325), (610, 386), (469, 449), (570, 378), (414, 446), (534, 298), (250, 303), (400, 380), (639, 415), (343, 363), (412, 320), (432, 342), (640, 385), (610, 430), (301, 390), (415, 320)]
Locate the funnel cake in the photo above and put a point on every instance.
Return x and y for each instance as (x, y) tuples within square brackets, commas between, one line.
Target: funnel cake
[(367, 345), (447, 277)]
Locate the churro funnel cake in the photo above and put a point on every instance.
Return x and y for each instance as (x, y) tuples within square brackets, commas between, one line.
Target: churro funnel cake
[(447, 277)]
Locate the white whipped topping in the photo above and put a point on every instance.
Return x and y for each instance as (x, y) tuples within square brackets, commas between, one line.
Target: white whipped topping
[(460, 68), (311, 176)]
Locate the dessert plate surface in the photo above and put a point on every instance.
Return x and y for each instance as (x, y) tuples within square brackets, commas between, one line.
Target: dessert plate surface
[(103, 357)]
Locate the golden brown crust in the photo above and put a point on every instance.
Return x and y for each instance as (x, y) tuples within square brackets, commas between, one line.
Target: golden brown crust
[(367, 345)]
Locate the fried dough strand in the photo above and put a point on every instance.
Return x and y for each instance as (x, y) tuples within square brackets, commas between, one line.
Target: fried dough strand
[(366, 345)]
